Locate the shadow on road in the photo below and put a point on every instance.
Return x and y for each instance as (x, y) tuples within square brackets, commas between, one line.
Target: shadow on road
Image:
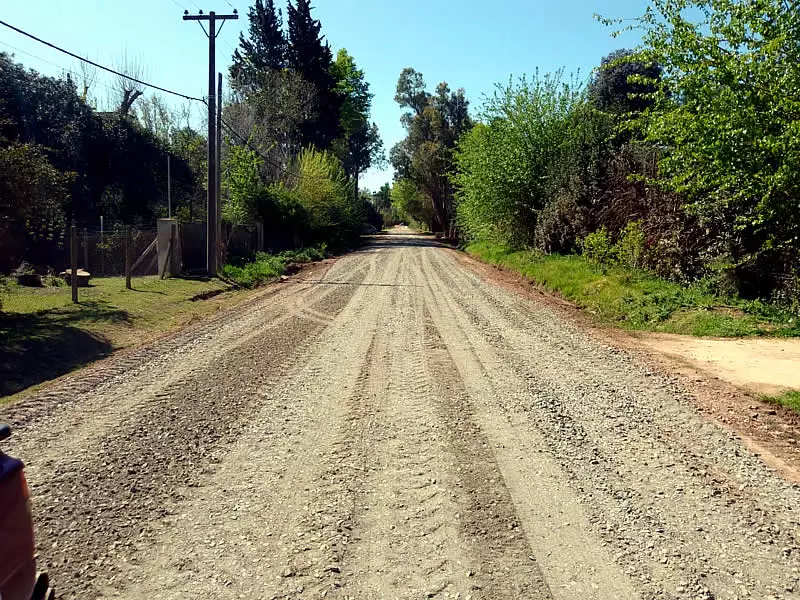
[(403, 240)]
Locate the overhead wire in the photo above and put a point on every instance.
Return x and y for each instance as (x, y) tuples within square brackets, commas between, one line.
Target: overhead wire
[(62, 67), (99, 66), (230, 128)]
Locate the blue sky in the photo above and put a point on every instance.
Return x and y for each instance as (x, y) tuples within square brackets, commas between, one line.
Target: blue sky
[(471, 44)]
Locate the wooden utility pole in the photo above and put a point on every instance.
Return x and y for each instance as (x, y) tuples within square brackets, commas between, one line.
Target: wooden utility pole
[(219, 169), (128, 258), (73, 259), (211, 212)]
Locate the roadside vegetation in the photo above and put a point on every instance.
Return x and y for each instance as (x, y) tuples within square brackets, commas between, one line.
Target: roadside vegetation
[(659, 193), (297, 135), (789, 399), (268, 267), (638, 299)]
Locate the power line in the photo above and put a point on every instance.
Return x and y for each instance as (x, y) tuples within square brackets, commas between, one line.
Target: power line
[(62, 67), (99, 66)]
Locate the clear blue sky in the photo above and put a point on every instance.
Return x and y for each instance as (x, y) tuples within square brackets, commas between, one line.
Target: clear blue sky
[(470, 44)]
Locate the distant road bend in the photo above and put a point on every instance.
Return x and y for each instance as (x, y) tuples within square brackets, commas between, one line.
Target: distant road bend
[(392, 426)]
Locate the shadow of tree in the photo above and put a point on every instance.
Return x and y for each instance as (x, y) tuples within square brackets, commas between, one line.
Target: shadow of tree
[(37, 347)]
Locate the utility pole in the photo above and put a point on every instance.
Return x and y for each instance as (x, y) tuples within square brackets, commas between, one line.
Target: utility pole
[(169, 186), (219, 168), (211, 211)]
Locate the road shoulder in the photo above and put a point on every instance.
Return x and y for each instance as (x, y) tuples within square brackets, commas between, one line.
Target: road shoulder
[(723, 393)]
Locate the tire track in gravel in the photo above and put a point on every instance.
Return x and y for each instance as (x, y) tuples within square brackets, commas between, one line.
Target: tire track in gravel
[(573, 562), (274, 522), (407, 542), (665, 485), (97, 504)]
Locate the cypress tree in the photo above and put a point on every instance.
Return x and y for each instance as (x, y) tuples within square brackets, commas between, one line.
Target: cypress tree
[(266, 48), (309, 55)]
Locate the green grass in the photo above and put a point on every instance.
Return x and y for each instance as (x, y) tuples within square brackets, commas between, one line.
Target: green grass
[(44, 335), (789, 399), (639, 300), (267, 267)]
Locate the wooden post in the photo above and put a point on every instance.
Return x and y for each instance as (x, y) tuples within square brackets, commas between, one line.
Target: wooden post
[(73, 258), (128, 258), (86, 249), (168, 262), (102, 250)]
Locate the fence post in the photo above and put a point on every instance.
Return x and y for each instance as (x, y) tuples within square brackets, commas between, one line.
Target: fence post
[(73, 257), (102, 249), (86, 250), (128, 257)]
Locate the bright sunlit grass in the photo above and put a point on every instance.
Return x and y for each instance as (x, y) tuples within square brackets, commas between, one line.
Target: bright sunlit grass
[(639, 300)]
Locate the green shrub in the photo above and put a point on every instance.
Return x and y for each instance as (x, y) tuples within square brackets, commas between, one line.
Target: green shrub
[(267, 267), (597, 247), (630, 247), (561, 226)]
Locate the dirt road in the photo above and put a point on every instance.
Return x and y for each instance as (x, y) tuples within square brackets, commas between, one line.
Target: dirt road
[(394, 427)]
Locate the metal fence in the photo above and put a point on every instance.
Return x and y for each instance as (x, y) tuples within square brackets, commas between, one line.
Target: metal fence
[(102, 252)]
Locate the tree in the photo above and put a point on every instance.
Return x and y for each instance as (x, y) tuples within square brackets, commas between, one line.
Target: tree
[(33, 197), (157, 117), (410, 204), (242, 182), (726, 114), (623, 84), (128, 91), (271, 117), (310, 56), (512, 165), (382, 199), (411, 91), (266, 48), (426, 155), (360, 146)]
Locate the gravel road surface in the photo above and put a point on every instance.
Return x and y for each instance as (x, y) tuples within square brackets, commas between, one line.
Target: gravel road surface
[(392, 426)]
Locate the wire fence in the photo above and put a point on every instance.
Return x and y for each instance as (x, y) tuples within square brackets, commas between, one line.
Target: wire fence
[(102, 253), (167, 248), (34, 260)]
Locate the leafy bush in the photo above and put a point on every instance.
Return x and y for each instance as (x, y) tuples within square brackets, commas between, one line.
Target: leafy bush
[(267, 267), (630, 247), (505, 166), (320, 193), (726, 112), (597, 247), (561, 226)]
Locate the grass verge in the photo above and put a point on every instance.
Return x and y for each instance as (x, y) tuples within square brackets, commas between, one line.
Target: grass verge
[(44, 335), (789, 399), (267, 267), (639, 300)]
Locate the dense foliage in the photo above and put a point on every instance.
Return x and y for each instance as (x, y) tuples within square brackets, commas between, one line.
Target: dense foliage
[(307, 134), (60, 160), (298, 136), (679, 157), (291, 94), (425, 157)]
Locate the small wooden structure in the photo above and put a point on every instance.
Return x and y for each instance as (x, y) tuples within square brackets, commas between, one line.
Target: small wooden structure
[(83, 277)]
